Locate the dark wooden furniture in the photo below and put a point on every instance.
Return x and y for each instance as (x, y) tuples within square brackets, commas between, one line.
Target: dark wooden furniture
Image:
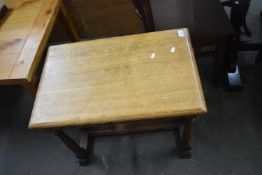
[(83, 150), (206, 19), (136, 83), (3, 11), (238, 13), (143, 9)]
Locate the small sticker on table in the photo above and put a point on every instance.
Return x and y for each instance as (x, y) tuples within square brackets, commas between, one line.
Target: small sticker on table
[(181, 33)]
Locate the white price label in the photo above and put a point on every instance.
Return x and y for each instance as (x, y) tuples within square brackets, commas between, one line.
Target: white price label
[(181, 33)]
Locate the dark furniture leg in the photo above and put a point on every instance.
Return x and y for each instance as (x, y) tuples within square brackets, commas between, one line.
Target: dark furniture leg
[(185, 147), (31, 86), (81, 151), (70, 29), (259, 58), (86, 143), (145, 11), (239, 9), (3, 11), (219, 71), (234, 78)]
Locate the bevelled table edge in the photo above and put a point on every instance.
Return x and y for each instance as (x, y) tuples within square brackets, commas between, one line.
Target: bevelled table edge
[(178, 115)]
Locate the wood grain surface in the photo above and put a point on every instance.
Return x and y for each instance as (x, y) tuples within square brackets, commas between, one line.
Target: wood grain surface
[(23, 36), (129, 78)]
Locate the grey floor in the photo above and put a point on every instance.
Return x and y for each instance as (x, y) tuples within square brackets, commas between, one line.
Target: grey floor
[(227, 140)]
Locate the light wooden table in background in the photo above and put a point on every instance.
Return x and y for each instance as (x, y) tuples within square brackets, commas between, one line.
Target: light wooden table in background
[(120, 85), (24, 34)]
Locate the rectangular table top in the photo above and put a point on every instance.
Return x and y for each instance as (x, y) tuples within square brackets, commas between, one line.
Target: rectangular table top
[(23, 36), (128, 78)]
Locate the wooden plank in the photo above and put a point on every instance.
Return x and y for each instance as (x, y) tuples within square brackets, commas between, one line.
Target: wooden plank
[(7, 62), (13, 34), (30, 56), (130, 78)]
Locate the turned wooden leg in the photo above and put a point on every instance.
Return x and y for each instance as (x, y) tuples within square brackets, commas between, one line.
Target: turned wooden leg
[(185, 147), (70, 29), (81, 151)]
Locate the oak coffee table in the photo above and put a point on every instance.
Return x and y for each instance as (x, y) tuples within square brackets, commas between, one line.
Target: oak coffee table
[(135, 83)]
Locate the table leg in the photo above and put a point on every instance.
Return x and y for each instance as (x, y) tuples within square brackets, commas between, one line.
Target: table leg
[(3, 11), (81, 151), (86, 143), (144, 8), (185, 147), (73, 35), (31, 87), (219, 72), (259, 58)]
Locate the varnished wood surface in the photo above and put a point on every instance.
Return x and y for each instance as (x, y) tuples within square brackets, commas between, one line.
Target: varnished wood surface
[(23, 36), (12, 4), (117, 80)]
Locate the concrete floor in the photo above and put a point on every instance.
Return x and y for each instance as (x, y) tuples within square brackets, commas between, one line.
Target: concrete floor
[(228, 140)]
